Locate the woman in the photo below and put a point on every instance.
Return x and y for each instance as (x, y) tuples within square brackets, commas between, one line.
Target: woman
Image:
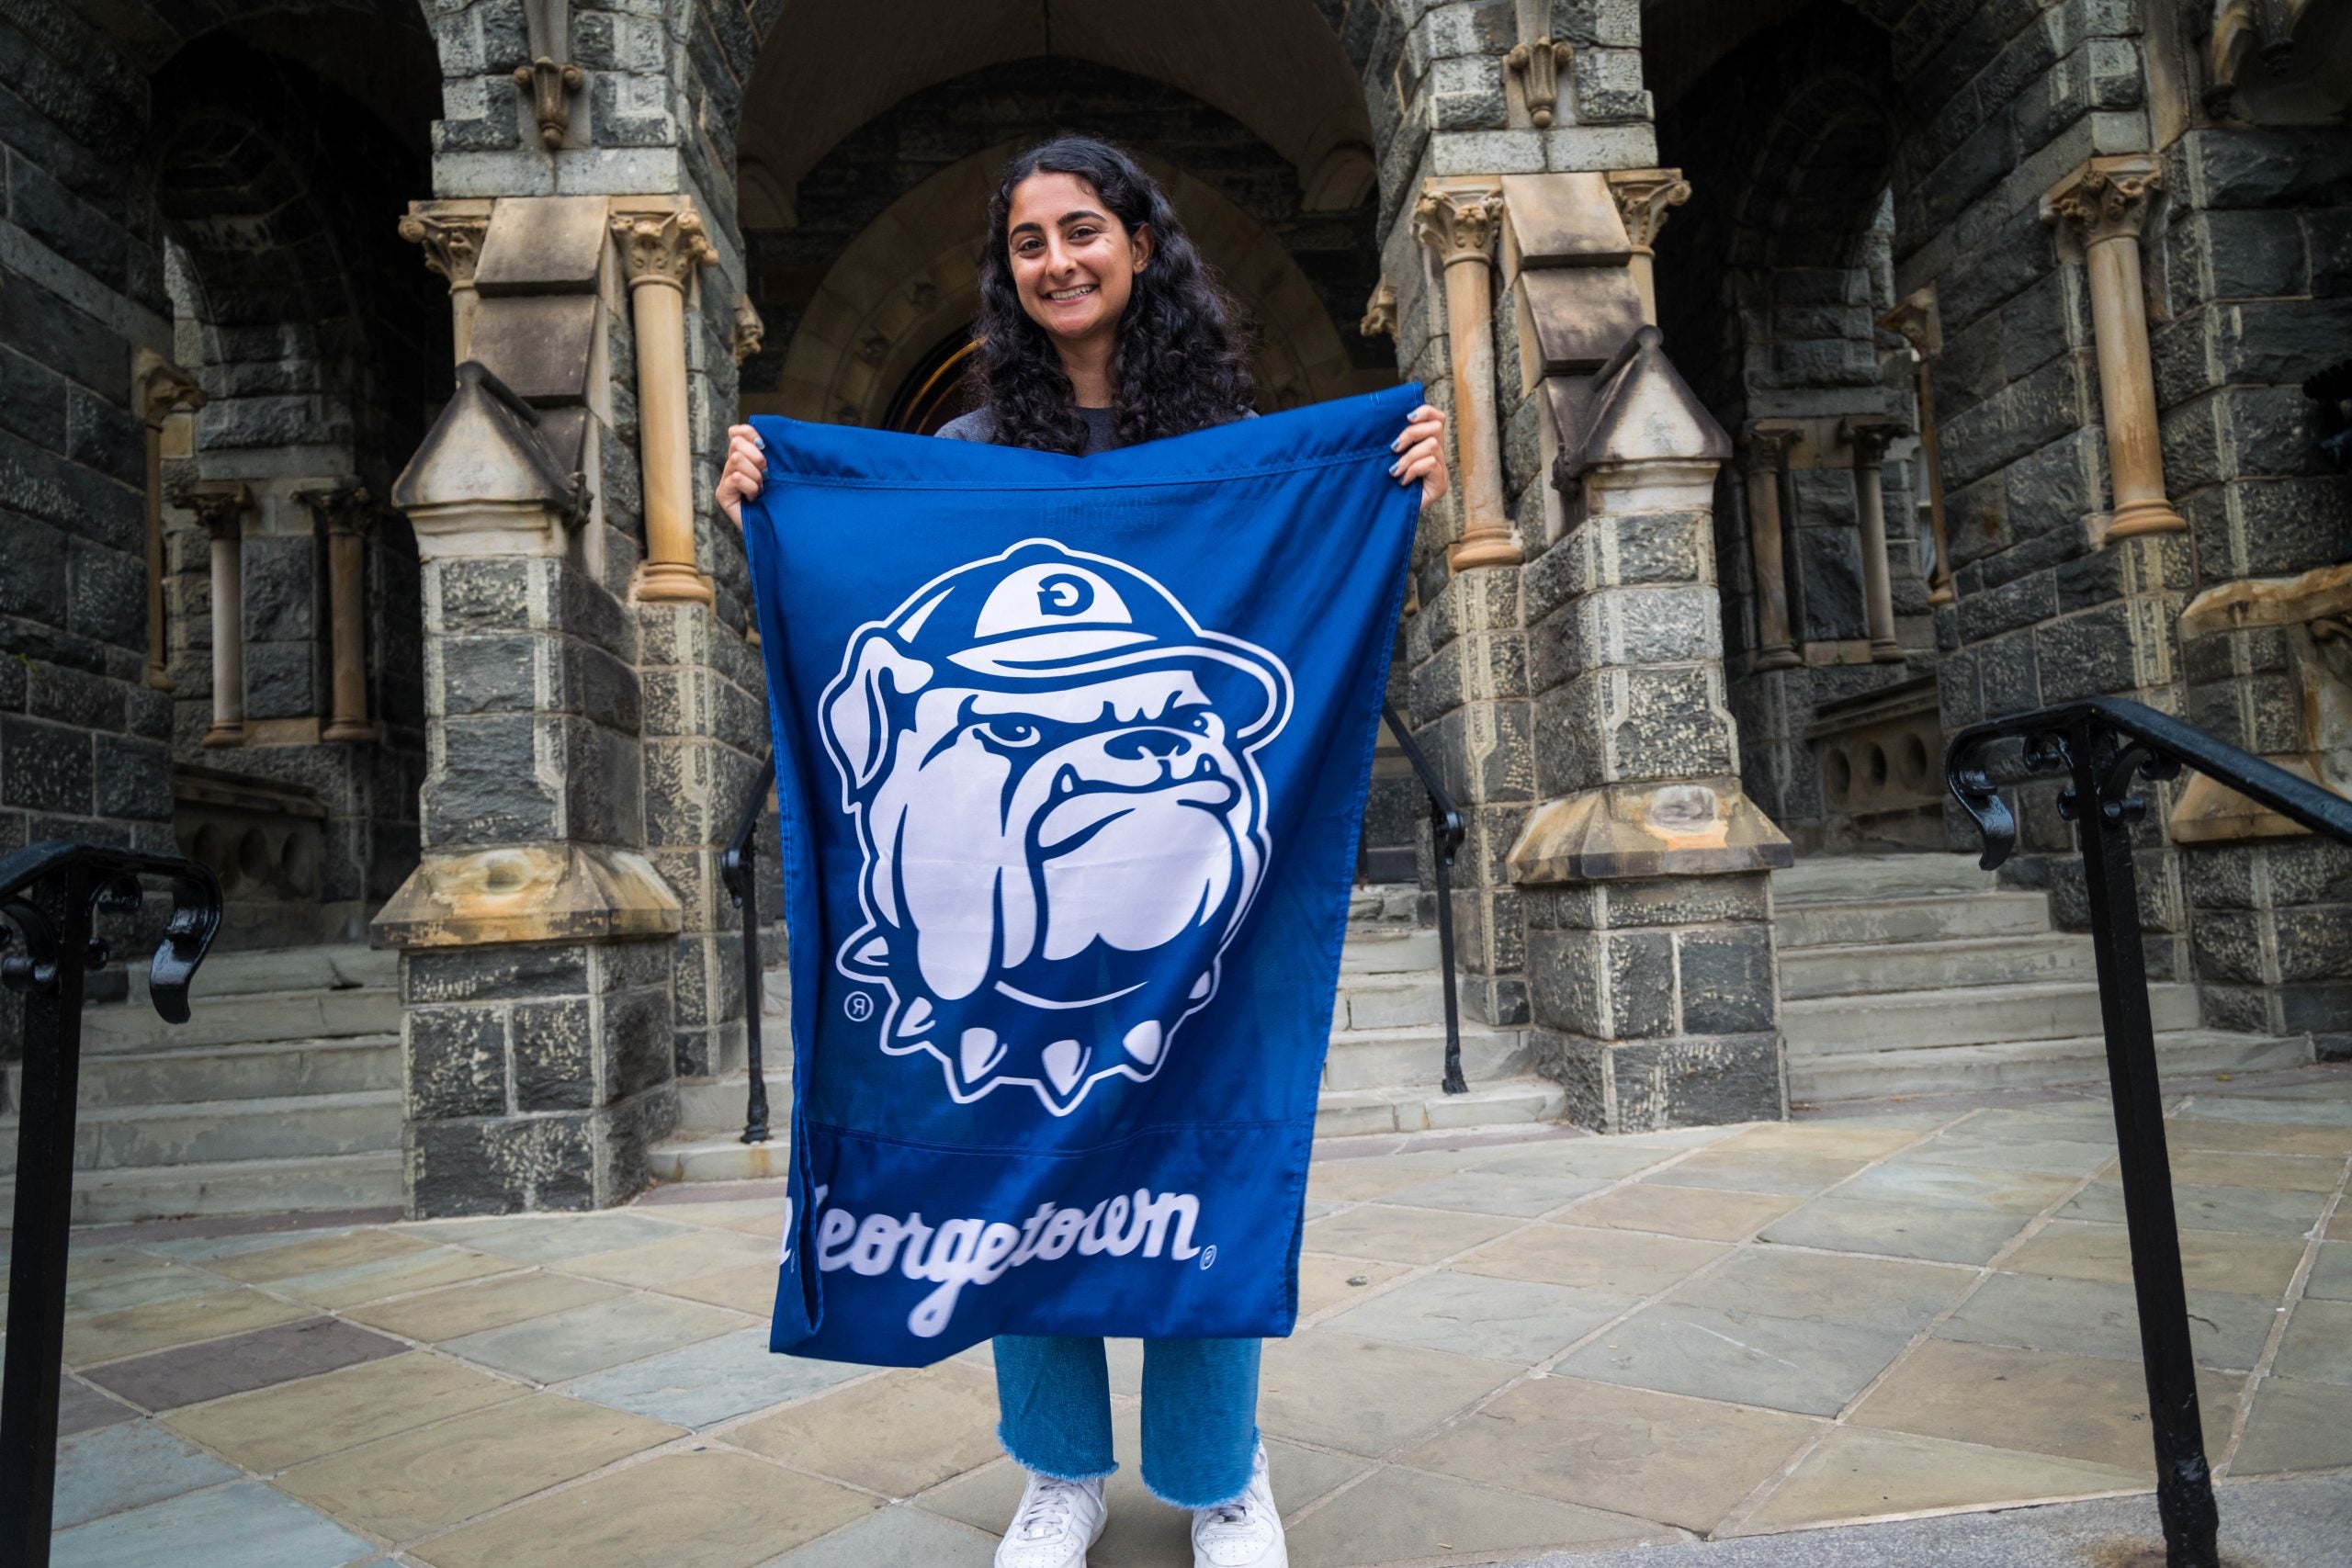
[(1101, 328)]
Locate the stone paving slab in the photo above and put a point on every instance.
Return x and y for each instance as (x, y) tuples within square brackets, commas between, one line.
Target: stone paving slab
[(1547, 1343)]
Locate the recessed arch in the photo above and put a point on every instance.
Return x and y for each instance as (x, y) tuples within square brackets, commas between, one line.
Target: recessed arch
[(911, 277)]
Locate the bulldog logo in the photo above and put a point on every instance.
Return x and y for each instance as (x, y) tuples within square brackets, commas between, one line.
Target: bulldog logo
[(1051, 768)]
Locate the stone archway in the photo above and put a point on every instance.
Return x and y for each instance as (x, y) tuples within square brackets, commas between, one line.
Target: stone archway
[(912, 277)]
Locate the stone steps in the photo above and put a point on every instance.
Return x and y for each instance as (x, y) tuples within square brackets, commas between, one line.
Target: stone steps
[(717, 1104), (1968, 1015), (1915, 974), (207, 1131), (245, 1018), (1500, 1103), (368, 1180), (2035, 1064), (271, 1070), (332, 967), (1415, 1058), (1862, 968)]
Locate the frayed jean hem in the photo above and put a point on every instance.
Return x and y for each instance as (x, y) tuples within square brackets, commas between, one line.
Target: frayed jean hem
[(1248, 1469), (1049, 1473)]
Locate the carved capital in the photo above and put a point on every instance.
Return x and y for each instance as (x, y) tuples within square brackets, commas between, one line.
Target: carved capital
[(221, 505), (1768, 441), (452, 242), (1918, 321), (1380, 311), (662, 247), (1459, 224), (1869, 438), (1643, 197), (159, 388), (749, 330), (2106, 198), (344, 509), (1536, 67), (550, 85)]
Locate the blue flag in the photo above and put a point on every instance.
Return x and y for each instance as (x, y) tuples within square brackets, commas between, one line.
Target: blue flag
[(1071, 755)]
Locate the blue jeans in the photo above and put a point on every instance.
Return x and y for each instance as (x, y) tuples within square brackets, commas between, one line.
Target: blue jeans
[(1200, 1413)]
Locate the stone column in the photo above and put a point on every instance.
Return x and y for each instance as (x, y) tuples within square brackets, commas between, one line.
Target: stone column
[(1920, 323), (1458, 219), (1649, 940), (535, 935), (1767, 445), (451, 233), (222, 507), (2100, 211), (346, 512), (1642, 197), (158, 388), (1869, 439), (660, 250)]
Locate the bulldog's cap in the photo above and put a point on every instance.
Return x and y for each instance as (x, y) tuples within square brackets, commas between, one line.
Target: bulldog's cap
[(1043, 613)]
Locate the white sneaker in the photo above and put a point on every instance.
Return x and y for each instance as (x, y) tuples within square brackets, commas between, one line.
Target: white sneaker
[(1056, 1521), (1244, 1533)]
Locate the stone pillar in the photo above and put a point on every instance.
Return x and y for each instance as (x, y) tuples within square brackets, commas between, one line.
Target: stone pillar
[(1458, 219), (1643, 870), (159, 388), (346, 512), (1920, 323), (1642, 197), (535, 935), (2100, 211), (451, 233), (660, 250), (222, 507), (1767, 445), (1868, 439)]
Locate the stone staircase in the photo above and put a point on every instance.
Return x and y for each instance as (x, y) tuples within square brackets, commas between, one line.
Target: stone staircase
[(1917, 974), (1383, 1074), (282, 1092)]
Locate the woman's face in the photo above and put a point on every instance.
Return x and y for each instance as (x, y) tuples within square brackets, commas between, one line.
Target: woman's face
[(1074, 263)]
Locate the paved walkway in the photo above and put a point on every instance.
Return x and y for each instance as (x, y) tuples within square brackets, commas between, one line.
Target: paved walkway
[(1559, 1344)]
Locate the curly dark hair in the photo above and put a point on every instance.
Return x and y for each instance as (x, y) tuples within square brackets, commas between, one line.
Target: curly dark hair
[(1181, 363)]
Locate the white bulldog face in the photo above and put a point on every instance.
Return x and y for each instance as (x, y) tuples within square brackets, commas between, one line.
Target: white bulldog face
[(1053, 864)]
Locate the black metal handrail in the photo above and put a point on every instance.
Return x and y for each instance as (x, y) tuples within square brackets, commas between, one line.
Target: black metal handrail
[(1446, 830), (2108, 747), (50, 894), (738, 870)]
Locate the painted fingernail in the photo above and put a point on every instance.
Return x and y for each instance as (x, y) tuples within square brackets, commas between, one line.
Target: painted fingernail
[(1397, 466)]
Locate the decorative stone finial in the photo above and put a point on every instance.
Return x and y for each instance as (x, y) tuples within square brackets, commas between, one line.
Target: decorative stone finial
[(1918, 321), (551, 84), (1536, 67), (161, 389), (1380, 313)]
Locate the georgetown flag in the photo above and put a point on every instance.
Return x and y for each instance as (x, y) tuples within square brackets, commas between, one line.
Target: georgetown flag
[(1071, 754)]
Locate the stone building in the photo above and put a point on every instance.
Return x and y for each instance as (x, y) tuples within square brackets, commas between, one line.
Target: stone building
[(1825, 375)]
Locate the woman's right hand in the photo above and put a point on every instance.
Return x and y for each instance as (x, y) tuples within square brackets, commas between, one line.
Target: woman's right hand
[(746, 471)]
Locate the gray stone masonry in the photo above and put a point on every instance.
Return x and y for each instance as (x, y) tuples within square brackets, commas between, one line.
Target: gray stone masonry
[(536, 1073)]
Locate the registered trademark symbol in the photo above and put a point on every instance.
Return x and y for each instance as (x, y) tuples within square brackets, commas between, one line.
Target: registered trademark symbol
[(859, 1006), (1208, 1256)]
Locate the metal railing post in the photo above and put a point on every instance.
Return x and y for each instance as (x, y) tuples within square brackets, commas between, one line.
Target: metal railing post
[(49, 895), (1446, 831), (738, 870), (2110, 748)]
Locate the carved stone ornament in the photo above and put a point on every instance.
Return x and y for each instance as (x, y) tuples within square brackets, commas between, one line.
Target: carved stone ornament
[(2104, 204), (1380, 313), (2243, 34), (1459, 225), (550, 85), (161, 389), (340, 509), (1536, 67), (1916, 319), (452, 245), (749, 330), (1643, 197), (221, 508), (661, 247)]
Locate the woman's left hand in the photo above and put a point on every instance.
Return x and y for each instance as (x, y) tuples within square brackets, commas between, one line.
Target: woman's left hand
[(1423, 449)]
